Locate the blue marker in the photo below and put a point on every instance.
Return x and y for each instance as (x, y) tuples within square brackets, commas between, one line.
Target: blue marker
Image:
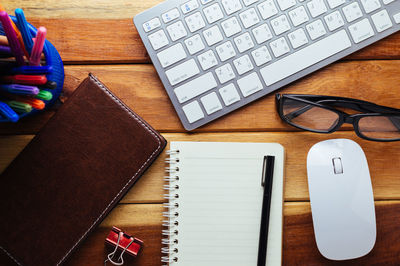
[(24, 29), (8, 113), (32, 70)]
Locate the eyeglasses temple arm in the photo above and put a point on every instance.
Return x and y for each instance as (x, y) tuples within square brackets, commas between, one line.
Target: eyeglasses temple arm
[(298, 112)]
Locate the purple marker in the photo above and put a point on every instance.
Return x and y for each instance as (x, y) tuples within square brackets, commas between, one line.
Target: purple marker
[(12, 38), (5, 51), (20, 89)]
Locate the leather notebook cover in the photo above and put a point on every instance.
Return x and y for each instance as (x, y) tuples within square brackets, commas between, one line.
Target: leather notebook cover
[(70, 176)]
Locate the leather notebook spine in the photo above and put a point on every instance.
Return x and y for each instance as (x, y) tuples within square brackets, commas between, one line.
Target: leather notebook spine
[(170, 241)]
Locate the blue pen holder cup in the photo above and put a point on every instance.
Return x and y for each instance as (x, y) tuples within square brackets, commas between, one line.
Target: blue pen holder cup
[(53, 59)]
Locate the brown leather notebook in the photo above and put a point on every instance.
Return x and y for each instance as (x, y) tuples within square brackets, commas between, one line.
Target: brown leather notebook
[(70, 176)]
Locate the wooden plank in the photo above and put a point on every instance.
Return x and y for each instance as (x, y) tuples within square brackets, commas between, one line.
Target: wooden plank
[(106, 32), (140, 88), (299, 247), (383, 159)]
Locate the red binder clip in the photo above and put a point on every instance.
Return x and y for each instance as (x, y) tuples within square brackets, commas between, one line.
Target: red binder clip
[(123, 242)]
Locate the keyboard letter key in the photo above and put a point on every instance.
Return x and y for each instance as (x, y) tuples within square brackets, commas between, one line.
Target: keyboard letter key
[(195, 87)]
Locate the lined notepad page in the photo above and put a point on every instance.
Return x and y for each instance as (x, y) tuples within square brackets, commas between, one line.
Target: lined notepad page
[(220, 200)]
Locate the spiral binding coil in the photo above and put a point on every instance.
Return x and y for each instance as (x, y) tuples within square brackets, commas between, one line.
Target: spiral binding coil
[(171, 213)]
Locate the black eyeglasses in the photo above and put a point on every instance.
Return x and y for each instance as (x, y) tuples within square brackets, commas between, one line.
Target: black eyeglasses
[(316, 113)]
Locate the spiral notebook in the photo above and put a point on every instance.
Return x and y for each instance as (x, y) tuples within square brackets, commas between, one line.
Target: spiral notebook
[(215, 197)]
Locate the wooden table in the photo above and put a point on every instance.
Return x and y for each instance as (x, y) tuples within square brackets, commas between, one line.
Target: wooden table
[(98, 36)]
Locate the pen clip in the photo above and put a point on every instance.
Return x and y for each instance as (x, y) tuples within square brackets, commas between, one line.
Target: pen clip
[(263, 171), (268, 164)]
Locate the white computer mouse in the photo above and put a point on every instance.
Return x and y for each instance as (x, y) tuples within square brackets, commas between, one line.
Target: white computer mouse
[(342, 201)]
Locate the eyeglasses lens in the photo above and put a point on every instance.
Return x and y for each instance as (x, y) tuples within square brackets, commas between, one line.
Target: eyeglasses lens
[(309, 116), (380, 127)]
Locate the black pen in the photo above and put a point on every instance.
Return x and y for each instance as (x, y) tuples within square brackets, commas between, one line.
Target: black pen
[(266, 182)]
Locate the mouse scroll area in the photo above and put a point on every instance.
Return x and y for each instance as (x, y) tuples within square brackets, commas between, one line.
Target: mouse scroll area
[(337, 166)]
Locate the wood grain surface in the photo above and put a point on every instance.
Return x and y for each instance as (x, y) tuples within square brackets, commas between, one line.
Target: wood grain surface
[(99, 31), (140, 88), (98, 36)]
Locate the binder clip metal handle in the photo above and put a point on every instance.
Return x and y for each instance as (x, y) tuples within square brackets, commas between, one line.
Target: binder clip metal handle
[(124, 242)]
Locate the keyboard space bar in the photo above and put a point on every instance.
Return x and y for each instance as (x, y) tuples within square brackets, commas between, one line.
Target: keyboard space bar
[(306, 57)]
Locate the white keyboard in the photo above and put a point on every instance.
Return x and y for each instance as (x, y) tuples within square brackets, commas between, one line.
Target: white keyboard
[(214, 56)]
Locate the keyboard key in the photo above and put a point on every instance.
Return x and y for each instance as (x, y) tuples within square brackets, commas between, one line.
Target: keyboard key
[(250, 84), (262, 33), (193, 112), (176, 31), (225, 73), (316, 7), (370, 5), (334, 20), (361, 30), (298, 16), (280, 24), (244, 42), (194, 44), (158, 40), (195, 87), (279, 47), (231, 27), (213, 13), (382, 20), (335, 3), (298, 38), (396, 18), (182, 72), (352, 12), (386, 2), (249, 18), (229, 94), (249, 2), (285, 4), (231, 6), (171, 55), (212, 35), (206, 1), (189, 6), (195, 22), (316, 29), (207, 60), (211, 103), (305, 57), (170, 15), (267, 9), (261, 55), (243, 64), (151, 24), (225, 51)]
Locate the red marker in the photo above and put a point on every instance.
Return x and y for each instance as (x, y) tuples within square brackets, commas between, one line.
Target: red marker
[(25, 79)]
